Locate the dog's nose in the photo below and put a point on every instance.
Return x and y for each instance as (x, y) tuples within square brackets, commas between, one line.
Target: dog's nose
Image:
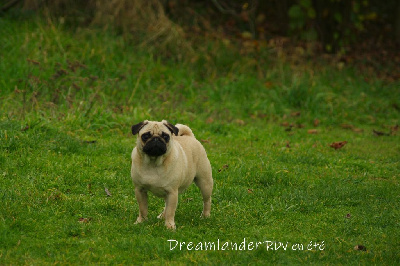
[(155, 147)]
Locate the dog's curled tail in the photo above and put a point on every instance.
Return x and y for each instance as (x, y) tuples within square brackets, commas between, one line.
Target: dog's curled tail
[(184, 130)]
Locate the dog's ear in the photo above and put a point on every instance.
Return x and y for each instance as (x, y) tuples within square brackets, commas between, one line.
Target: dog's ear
[(136, 128), (171, 127)]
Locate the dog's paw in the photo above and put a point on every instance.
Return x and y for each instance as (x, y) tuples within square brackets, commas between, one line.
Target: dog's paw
[(205, 215), (170, 226), (140, 220)]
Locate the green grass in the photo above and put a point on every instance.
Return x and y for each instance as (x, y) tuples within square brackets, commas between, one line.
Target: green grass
[(65, 137)]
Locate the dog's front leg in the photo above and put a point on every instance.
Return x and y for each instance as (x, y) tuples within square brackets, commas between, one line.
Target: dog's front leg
[(171, 202), (141, 197)]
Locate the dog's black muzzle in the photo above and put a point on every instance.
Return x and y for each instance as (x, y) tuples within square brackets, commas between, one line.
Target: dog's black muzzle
[(155, 147)]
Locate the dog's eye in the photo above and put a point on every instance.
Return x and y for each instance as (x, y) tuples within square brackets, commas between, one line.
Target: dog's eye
[(146, 136), (165, 137)]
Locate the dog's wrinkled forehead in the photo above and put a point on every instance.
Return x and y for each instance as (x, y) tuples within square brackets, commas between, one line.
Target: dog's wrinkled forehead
[(155, 128)]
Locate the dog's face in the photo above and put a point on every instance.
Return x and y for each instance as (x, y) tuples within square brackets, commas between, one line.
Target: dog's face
[(154, 138)]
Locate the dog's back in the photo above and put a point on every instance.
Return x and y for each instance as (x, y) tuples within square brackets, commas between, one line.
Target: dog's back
[(192, 147)]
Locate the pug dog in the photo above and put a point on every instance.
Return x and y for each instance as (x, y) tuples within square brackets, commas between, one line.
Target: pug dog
[(165, 161)]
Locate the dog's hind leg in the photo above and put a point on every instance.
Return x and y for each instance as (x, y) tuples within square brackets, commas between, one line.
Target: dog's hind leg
[(205, 183)]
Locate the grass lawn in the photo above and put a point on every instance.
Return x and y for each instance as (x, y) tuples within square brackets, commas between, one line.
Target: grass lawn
[(281, 193)]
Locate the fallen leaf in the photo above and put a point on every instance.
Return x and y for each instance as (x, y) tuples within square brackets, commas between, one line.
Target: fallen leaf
[(380, 133), (59, 73), (107, 192), (294, 114), (358, 130), (316, 122), (268, 84), (205, 140), (312, 131), (338, 145), (394, 129), (225, 166), (209, 120), (89, 188), (249, 190), (84, 220), (25, 128), (89, 141), (360, 247), (76, 86), (240, 122), (347, 126), (33, 61), (289, 128), (285, 124), (288, 145)]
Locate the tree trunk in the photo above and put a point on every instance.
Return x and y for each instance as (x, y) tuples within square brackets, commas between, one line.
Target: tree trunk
[(397, 23)]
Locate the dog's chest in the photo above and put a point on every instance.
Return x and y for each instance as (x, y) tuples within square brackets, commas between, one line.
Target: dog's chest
[(154, 180)]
